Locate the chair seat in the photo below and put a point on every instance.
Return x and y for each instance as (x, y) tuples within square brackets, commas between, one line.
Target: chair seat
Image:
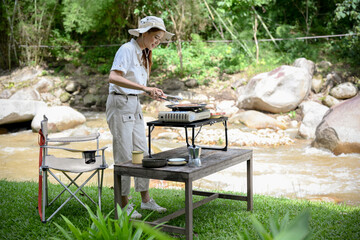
[(74, 165), (75, 138)]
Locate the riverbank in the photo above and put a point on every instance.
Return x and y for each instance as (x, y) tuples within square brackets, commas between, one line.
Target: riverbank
[(215, 220), (295, 170)]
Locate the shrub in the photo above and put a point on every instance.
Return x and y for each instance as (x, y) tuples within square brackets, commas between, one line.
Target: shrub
[(103, 227)]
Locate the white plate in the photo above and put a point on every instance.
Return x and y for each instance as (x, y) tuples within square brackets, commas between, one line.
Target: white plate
[(176, 159), (177, 163)]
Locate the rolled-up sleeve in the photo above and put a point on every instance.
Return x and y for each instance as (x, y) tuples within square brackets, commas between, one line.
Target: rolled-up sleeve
[(122, 60)]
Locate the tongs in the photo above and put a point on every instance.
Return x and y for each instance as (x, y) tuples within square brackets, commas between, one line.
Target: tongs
[(171, 98)]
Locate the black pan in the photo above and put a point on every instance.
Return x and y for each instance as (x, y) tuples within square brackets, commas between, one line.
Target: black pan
[(154, 162), (187, 107)]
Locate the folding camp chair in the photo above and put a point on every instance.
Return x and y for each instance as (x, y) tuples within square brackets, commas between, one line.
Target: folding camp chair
[(92, 161)]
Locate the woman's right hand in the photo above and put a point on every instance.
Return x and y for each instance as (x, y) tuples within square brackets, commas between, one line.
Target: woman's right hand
[(154, 92)]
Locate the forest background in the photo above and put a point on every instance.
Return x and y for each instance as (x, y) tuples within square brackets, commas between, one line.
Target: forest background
[(212, 38)]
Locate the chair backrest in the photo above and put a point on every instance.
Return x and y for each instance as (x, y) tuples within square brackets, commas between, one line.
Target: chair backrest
[(44, 127)]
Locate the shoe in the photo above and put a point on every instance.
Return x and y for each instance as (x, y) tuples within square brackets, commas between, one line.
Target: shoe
[(152, 205), (132, 212)]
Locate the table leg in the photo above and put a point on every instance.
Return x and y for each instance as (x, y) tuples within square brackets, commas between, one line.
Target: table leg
[(249, 173), (117, 192), (226, 136), (186, 137), (193, 137), (188, 210), (149, 139)]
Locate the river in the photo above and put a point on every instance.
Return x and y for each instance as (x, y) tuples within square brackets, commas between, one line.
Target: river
[(294, 171)]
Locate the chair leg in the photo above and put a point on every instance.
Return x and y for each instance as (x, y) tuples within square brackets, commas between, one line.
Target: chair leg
[(44, 194), (73, 194), (100, 184), (73, 182)]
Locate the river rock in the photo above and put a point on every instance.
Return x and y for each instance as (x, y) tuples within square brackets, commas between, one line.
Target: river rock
[(199, 98), (306, 64), (44, 85), (323, 67), (316, 85), (191, 83), (227, 106), (168, 135), (339, 130), (280, 90), (90, 100), (65, 97), (71, 86), (5, 94), (26, 94), (257, 120), (13, 111), (23, 74), (313, 112), (172, 85), (60, 118), (344, 91), (330, 101), (332, 79)]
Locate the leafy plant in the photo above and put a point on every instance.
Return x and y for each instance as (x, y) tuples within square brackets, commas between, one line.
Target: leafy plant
[(292, 114), (103, 227), (297, 229)]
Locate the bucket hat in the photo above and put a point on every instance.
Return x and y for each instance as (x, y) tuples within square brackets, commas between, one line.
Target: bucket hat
[(149, 22)]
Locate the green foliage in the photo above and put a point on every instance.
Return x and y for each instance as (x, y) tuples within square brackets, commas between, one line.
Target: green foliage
[(202, 61), (100, 58), (297, 229), (83, 15), (292, 114), (64, 48), (348, 18), (292, 48), (103, 227), (75, 23)]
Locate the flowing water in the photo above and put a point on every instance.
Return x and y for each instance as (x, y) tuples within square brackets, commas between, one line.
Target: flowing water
[(294, 171)]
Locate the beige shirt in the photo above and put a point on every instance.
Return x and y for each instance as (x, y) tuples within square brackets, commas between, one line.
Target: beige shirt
[(128, 61)]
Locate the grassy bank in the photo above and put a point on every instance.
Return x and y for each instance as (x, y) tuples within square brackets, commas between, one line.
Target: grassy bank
[(219, 219)]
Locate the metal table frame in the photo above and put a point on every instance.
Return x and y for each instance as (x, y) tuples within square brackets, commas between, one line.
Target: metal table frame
[(151, 125), (212, 162)]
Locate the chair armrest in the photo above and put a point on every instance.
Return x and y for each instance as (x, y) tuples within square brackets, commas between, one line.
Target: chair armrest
[(75, 138), (74, 150)]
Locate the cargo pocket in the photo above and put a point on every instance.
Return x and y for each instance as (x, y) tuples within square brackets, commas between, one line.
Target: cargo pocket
[(128, 118)]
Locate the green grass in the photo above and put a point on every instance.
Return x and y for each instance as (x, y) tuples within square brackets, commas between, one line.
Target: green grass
[(219, 219)]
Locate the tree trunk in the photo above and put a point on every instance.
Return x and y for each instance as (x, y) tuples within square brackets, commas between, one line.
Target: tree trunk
[(255, 39)]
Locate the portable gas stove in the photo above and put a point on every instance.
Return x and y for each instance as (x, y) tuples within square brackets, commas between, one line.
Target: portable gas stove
[(184, 113)]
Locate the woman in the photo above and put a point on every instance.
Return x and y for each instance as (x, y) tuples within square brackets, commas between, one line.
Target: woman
[(128, 78)]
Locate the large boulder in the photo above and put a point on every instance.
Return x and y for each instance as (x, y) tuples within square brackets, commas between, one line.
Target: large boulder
[(13, 111), (306, 64), (312, 113), (26, 94), (60, 118), (278, 91), (257, 120), (339, 130)]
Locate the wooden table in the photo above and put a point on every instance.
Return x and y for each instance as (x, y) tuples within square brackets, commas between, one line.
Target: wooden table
[(212, 161)]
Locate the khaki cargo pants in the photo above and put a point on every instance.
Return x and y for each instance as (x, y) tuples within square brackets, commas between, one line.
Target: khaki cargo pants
[(125, 120)]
